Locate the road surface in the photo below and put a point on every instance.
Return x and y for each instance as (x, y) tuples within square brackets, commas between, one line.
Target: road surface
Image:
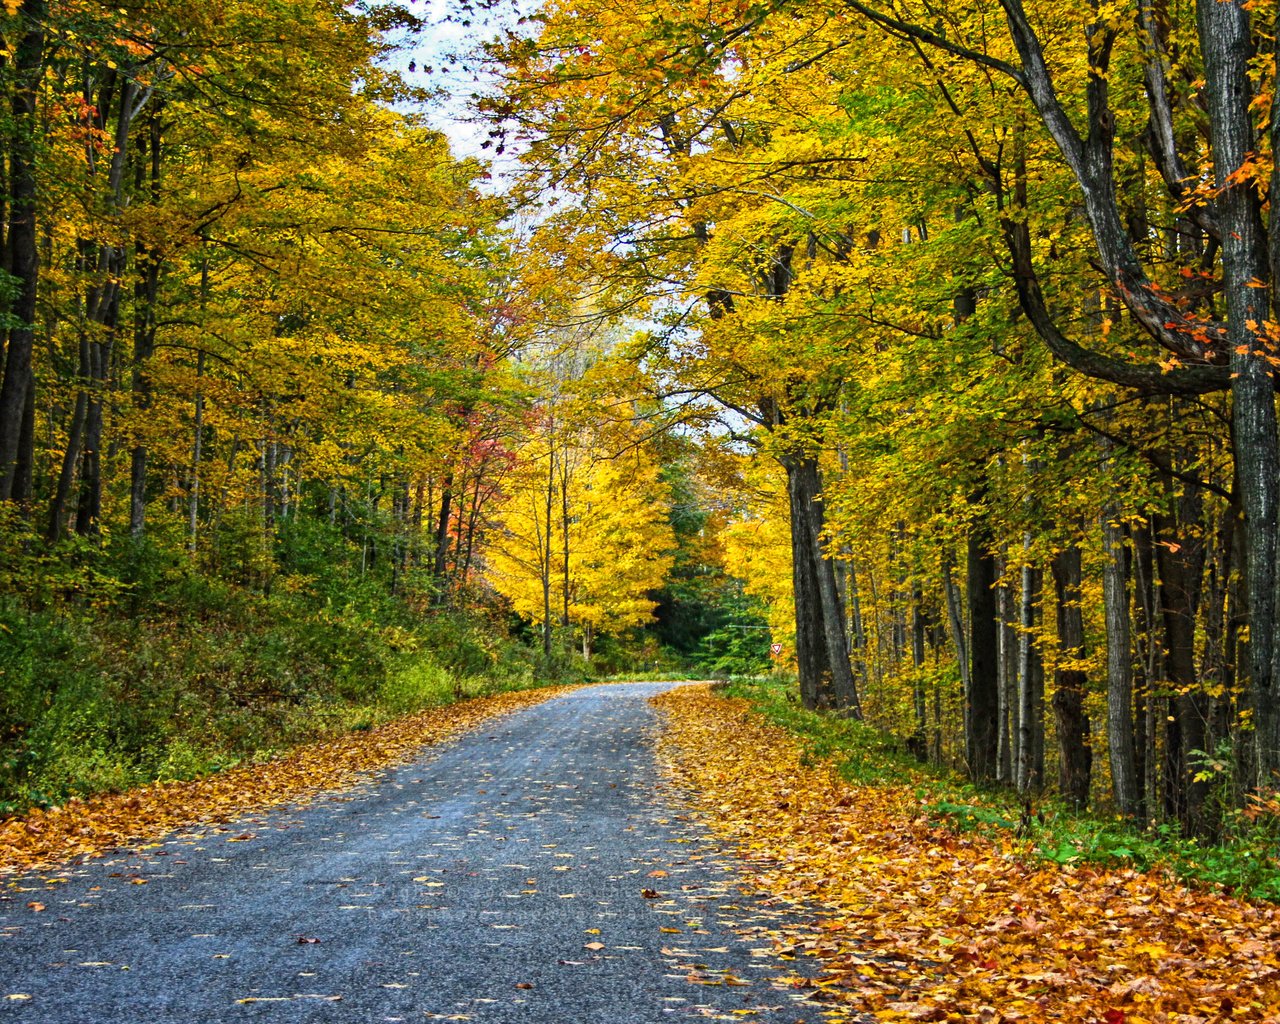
[(531, 871)]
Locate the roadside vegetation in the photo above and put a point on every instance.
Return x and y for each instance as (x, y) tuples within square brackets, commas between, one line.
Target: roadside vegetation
[(1243, 861)]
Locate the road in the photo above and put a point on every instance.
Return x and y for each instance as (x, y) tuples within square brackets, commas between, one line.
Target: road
[(532, 871)]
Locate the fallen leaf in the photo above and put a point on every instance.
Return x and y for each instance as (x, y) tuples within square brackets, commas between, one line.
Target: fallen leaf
[(922, 921), (91, 827)]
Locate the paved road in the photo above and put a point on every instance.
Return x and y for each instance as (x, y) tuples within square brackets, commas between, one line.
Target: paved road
[(471, 885)]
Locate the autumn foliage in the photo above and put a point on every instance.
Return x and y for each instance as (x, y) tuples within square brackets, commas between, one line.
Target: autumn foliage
[(912, 921)]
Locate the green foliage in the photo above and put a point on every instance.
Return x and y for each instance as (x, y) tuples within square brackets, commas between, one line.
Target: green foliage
[(861, 753), (153, 668), (971, 816), (735, 650)]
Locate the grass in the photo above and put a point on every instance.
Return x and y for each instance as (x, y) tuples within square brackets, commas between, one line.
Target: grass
[(671, 676), (1246, 862)]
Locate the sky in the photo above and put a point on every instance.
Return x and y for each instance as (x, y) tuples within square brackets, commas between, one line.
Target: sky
[(440, 46)]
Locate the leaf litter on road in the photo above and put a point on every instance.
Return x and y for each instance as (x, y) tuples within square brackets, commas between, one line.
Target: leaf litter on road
[(88, 828), (919, 923)]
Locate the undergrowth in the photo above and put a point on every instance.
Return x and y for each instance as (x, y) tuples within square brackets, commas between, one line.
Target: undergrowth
[(119, 669), (1245, 862)]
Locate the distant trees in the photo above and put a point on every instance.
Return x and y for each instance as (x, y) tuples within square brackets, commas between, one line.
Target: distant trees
[(582, 537)]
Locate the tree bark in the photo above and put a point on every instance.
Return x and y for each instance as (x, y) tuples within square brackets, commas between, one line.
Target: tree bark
[(22, 252), (1227, 46), (955, 622), (822, 651), (1179, 554), (58, 508), (918, 743), (1030, 767), (982, 747), (440, 546), (1007, 719), (146, 289), (1070, 683), (1115, 596)]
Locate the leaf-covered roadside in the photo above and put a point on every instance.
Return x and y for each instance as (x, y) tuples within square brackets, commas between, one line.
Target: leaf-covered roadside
[(86, 828), (920, 923)]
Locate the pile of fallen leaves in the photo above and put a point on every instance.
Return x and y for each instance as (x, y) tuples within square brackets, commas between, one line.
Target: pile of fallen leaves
[(86, 828), (912, 921)]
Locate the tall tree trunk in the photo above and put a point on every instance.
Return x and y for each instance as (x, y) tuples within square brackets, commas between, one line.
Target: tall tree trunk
[(566, 542), (544, 554), (822, 652), (1007, 726), (1150, 666), (89, 511), (918, 743), (857, 631), (22, 252), (1227, 45), (982, 737), (1030, 768), (197, 440), (197, 454), (1115, 596), (440, 546), (1180, 557), (103, 309), (58, 508), (1070, 682), (956, 626), (146, 289)]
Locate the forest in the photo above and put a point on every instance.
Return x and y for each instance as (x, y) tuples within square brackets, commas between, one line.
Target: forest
[(935, 346)]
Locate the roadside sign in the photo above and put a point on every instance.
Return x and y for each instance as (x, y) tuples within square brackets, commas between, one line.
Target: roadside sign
[(775, 649)]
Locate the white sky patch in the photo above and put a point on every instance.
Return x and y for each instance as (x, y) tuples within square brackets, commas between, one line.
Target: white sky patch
[(443, 57)]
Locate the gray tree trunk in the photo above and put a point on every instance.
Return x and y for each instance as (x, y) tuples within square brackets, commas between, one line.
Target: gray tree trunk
[(22, 257), (1030, 766), (822, 651), (1115, 596)]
